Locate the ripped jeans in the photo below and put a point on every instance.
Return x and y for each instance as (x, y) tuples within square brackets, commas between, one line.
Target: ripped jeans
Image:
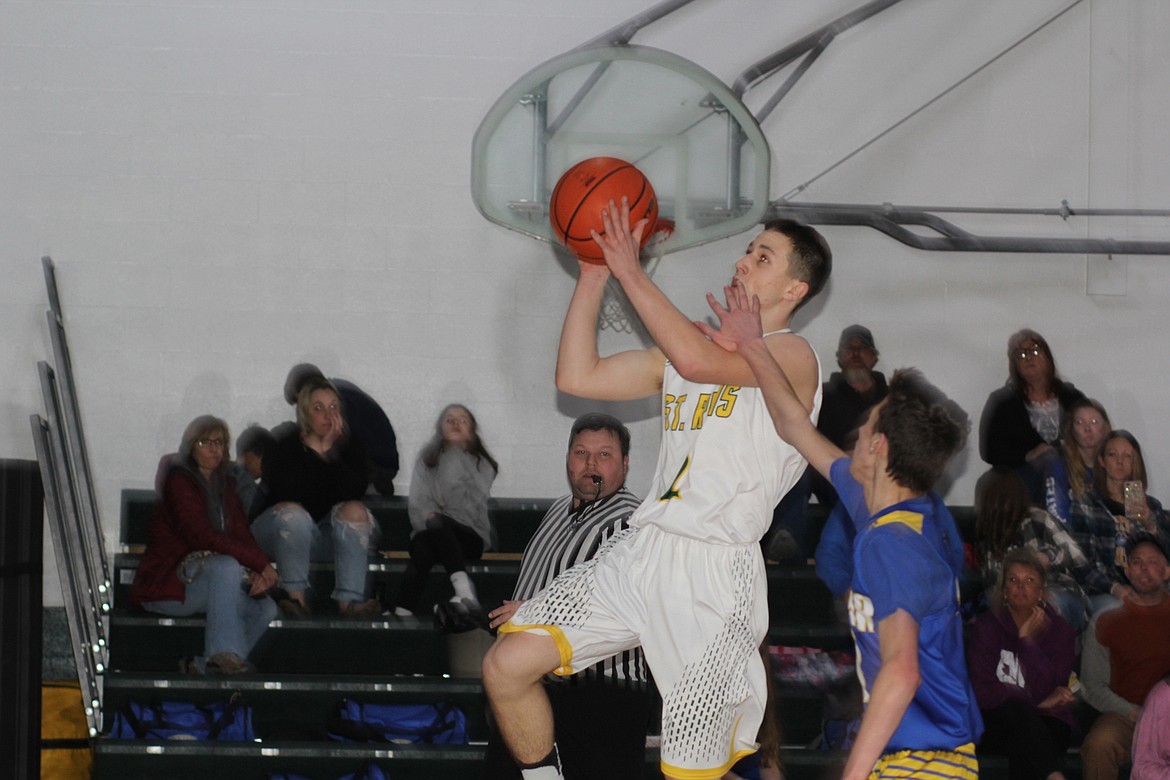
[(291, 538)]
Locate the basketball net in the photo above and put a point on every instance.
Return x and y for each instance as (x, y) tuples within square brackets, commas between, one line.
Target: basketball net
[(615, 313), (616, 310), (615, 307)]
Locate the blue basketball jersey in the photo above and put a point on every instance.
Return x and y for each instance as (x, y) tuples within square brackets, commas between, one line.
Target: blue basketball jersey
[(905, 557)]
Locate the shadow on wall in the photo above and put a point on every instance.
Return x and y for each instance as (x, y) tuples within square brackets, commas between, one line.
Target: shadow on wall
[(207, 393), (627, 411)]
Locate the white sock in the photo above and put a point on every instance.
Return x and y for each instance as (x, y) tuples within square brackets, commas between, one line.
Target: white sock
[(541, 773), (464, 589), (402, 612), (546, 770)]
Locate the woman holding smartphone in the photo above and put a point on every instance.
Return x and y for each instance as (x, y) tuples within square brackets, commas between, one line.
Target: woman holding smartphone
[(1115, 507)]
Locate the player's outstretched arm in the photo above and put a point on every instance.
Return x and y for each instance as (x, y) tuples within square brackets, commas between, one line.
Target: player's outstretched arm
[(581, 371), (889, 695), (740, 331), (692, 355)]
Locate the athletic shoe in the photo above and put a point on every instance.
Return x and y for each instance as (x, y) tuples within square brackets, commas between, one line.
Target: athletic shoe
[(459, 616)]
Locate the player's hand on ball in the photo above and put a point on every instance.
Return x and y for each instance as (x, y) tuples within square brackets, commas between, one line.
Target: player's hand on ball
[(620, 242)]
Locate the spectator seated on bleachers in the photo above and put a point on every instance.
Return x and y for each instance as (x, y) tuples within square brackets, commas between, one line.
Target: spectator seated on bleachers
[(449, 494), (1021, 423), (1103, 517), (252, 447), (1151, 738), (846, 399), (1069, 476), (200, 549), (848, 396), (1021, 656), (316, 477), (1005, 519), (363, 417), (1126, 652)]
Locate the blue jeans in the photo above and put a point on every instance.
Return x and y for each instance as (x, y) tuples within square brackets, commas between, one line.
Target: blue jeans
[(235, 620), (1070, 605), (1101, 602), (291, 538)]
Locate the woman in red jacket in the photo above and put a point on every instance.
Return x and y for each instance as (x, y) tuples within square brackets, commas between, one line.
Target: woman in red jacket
[(200, 555)]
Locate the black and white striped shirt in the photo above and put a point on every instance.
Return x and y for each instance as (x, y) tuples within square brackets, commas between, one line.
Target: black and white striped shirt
[(566, 537)]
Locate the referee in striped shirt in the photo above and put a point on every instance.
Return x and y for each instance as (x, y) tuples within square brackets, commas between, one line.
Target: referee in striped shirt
[(602, 712)]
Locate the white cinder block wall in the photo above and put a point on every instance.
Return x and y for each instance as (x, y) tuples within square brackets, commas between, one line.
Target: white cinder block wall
[(228, 188)]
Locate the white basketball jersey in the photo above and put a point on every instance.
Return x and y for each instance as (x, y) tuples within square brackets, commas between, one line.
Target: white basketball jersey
[(722, 468)]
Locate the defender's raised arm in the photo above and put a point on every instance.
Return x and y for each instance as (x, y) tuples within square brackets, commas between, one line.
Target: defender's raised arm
[(740, 331)]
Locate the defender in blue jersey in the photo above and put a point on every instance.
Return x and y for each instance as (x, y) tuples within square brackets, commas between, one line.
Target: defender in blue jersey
[(921, 719)]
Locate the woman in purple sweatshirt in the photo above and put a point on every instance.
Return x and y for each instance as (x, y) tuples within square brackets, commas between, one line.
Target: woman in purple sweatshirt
[(1021, 658)]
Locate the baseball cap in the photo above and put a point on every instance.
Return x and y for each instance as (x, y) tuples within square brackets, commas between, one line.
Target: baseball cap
[(1145, 537), (856, 332)]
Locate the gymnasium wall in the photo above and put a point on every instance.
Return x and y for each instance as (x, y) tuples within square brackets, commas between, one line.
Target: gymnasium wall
[(228, 187)]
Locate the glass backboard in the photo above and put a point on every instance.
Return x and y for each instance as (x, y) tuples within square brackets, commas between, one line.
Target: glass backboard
[(694, 139)]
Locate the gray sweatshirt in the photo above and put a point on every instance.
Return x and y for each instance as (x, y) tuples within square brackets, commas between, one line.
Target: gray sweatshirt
[(459, 487)]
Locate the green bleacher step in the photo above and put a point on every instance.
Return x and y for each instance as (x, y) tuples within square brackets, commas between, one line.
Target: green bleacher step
[(297, 706), (514, 519), (182, 760), (142, 642)]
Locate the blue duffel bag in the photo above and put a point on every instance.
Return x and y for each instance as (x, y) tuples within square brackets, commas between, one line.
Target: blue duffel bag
[(221, 720), (431, 724), (369, 771)]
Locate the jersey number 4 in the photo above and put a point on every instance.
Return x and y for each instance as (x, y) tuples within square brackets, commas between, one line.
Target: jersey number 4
[(673, 491)]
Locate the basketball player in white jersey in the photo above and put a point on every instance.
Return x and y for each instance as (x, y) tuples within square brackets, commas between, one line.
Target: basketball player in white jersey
[(687, 580)]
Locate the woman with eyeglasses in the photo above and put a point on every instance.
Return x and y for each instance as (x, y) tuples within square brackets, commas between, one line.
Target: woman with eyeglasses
[(1021, 423), (1105, 517), (1005, 520), (316, 475), (1068, 477), (1021, 657), (200, 555)]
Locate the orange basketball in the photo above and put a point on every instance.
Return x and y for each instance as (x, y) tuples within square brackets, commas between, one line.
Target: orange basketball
[(587, 188)]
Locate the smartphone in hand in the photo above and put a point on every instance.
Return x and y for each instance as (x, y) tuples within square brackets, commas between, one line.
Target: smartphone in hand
[(1136, 506)]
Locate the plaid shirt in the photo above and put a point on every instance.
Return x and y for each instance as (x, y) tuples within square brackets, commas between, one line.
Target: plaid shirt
[(1102, 535), (1068, 566)]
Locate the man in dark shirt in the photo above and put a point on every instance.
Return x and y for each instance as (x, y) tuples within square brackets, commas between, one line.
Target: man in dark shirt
[(845, 400), (853, 390)]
